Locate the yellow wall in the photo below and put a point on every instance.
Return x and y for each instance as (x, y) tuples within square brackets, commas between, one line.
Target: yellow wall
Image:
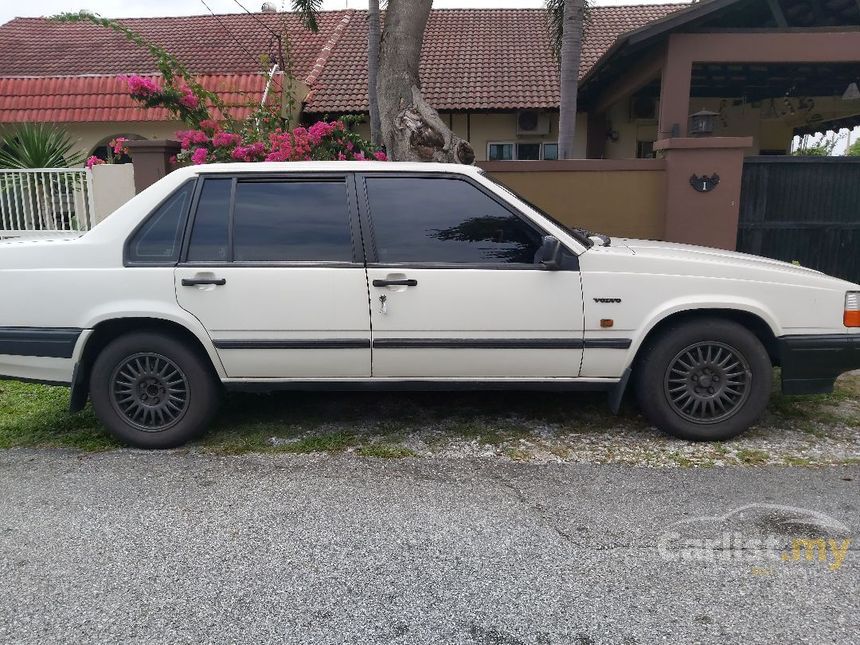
[(626, 203), (91, 135), (769, 128), (481, 128)]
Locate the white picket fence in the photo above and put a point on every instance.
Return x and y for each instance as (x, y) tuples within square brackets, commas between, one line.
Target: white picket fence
[(45, 201)]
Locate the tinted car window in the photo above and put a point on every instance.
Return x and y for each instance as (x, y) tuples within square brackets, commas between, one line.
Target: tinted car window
[(210, 240), (158, 241), (437, 219), (292, 221)]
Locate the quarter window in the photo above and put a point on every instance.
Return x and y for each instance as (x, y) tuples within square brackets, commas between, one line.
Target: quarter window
[(445, 220), (159, 240), (292, 221)]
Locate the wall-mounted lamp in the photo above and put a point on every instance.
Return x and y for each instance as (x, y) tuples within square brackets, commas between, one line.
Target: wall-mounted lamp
[(702, 123)]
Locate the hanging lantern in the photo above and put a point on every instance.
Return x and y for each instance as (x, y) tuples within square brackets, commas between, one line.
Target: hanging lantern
[(702, 123)]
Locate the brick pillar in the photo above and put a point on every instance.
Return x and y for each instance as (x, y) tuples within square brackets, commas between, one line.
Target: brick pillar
[(151, 160), (708, 218)]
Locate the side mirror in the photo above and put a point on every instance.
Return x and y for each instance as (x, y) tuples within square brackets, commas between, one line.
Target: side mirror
[(549, 254)]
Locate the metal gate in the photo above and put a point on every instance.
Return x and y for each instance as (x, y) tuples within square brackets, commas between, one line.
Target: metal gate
[(45, 201), (803, 209)]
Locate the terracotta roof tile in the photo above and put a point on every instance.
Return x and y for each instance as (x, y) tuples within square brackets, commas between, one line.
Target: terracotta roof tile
[(473, 59), (105, 98), (487, 59), (223, 44)]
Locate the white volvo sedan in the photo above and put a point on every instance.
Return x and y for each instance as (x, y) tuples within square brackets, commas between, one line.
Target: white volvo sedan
[(382, 275)]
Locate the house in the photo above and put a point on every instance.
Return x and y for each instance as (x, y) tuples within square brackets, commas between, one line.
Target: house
[(769, 69)]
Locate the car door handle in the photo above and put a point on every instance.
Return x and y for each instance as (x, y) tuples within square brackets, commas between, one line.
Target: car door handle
[(395, 283), (193, 282)]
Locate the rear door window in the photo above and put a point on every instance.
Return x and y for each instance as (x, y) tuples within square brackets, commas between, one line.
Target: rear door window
[(210, 237), (272, 220), (292, 221)]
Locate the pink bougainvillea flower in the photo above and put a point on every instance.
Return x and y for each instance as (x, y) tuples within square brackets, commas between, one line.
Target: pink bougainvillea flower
[(319, 130), (359, 156), (210, 126), (226, 140), (199, 156), (94, 161), (379, 155), (188, 99), (191, 138), (118, 145), (254, 152), (140, 86)]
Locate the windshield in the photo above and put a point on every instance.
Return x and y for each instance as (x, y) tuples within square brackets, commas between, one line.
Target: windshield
[(580, 234)]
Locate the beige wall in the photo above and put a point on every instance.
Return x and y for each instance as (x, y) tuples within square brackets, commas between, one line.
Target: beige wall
[(91, 135), (483, 128), (621, 198), (769, 129)]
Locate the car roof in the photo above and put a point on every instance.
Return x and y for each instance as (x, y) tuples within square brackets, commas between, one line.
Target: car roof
[(332, 166)]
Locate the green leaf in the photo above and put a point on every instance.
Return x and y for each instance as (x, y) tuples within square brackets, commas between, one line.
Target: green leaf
[(308, 10), (38, 145)]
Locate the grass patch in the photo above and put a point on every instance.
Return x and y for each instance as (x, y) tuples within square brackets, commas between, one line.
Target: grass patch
[(752, 457), (37, 415), (518, 454), (385, 451), (377, 424), (333, 442)]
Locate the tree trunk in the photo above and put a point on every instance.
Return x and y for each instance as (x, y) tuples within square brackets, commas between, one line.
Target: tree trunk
[(571, 52), (373, 37), (411, 129)]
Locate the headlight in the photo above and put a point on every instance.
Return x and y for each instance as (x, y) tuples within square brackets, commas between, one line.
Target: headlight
[(852, 309)]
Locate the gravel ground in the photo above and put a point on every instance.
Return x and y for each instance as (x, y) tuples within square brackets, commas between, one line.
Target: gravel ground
[(538, 428), (185, 546)]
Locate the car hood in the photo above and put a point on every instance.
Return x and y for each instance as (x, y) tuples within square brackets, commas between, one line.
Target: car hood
[(719, 260)]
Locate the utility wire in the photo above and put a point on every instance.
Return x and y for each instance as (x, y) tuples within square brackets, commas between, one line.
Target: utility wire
[(236, 38), (257, 18)]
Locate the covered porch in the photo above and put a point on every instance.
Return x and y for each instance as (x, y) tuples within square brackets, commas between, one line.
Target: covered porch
[(770, 69)]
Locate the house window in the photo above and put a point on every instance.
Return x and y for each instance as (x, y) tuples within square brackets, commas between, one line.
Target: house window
[(644, 149), (528, 151), (532, 151), (500, 152)]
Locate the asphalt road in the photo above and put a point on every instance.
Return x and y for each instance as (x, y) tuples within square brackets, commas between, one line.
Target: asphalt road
[(181, 547)]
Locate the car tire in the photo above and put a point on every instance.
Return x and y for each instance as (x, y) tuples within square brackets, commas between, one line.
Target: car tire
[(704, 380), (151, 390)]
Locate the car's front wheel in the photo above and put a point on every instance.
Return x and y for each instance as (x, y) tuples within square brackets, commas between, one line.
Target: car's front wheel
[(704, 380), (151, 391)]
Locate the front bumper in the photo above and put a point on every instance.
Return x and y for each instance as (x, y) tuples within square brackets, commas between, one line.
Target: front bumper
[(811, 363)]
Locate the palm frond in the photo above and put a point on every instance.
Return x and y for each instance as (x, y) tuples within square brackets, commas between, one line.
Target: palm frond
[(38, 145), (555, 20), (308, 10)]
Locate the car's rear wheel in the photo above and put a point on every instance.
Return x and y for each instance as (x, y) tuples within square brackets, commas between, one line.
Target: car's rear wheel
[(151, 391), (704, 380)]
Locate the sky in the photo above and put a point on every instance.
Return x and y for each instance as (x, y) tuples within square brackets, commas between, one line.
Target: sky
[(135, 8)]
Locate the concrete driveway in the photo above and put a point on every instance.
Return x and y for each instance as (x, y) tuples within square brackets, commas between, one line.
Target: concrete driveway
[(188, 547)]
